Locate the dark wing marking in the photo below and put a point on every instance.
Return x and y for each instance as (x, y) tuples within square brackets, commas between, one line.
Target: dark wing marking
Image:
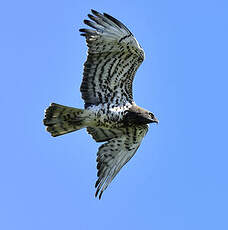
[(115, 153), (114, 56), (101, 135)]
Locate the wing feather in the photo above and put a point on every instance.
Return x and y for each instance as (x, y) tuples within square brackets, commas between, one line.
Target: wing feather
[(101, 135), (114, 56), (115, 153)]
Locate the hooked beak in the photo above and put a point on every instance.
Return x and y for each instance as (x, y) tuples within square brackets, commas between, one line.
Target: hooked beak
[(155, 120)]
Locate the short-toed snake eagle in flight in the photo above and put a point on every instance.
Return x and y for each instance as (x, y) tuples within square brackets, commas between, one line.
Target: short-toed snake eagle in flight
[(110, 114)]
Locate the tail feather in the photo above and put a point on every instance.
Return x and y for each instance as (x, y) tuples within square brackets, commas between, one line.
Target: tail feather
[(61, 119)]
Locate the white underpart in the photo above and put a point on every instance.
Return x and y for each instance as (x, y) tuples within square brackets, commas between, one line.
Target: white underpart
[(103, 112)]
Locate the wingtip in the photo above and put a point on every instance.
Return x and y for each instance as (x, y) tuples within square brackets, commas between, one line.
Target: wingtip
[(93, 11), (100, 195), (97, 182), (96, 13), (90, 16), (96, 192), (86, 21)]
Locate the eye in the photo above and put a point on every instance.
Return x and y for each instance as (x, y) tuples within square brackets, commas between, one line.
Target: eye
[(151, 115)]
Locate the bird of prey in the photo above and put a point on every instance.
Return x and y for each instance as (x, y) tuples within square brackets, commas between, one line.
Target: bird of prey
[(110, 114)]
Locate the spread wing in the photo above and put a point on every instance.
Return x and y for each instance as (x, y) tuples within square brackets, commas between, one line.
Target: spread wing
[(114, 55), (115, 153)]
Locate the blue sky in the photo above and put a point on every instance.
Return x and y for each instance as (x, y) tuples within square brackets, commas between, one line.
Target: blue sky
[(178, 178)]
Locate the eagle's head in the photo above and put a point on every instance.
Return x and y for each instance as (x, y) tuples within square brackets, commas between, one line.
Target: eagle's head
[(137, 115), (151, 118)]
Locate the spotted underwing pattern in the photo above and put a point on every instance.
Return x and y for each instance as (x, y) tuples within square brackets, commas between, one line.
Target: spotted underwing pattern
[(110, 114), (115, 153), (114, 55)]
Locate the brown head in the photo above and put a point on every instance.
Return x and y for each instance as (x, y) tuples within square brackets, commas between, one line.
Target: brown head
[(151, 118), (138, 115)]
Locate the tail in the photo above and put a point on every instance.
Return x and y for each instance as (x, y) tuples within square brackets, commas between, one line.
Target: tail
[(61, 119)]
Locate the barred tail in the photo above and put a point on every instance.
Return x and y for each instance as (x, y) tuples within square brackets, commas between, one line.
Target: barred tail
[(61, 119)]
